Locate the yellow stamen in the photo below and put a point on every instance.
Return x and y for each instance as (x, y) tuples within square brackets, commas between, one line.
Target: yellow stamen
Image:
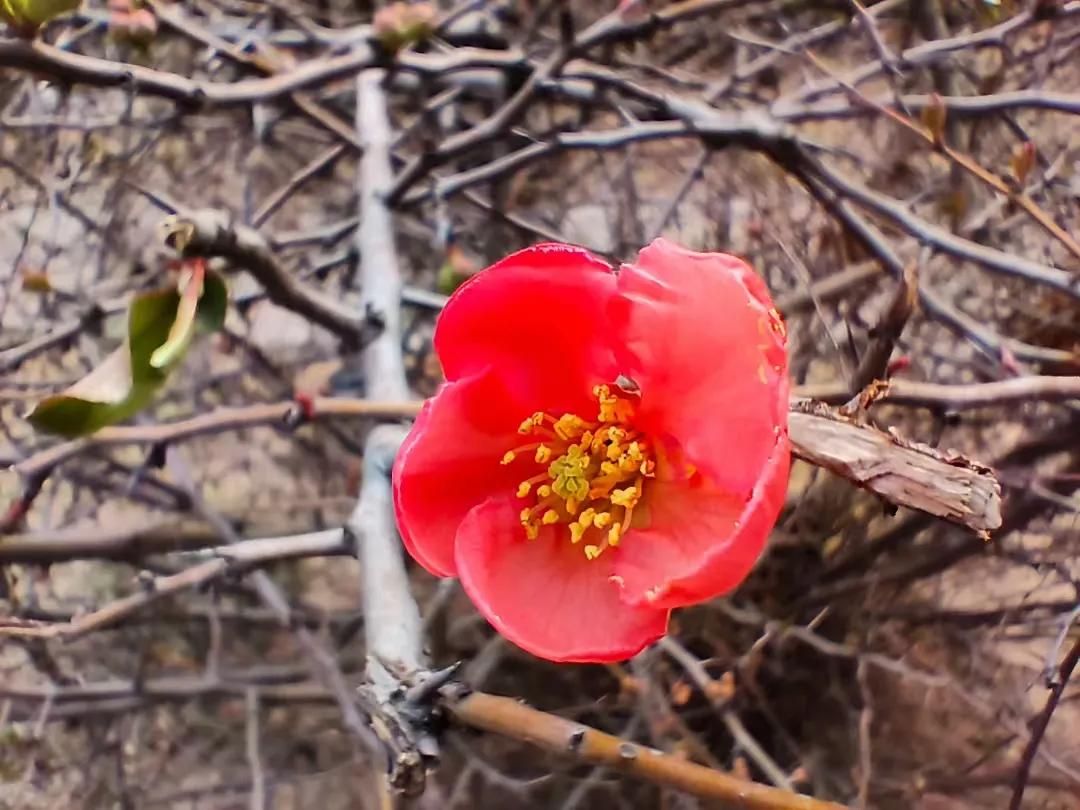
[(613, 535), (592, 474), (526, 486)]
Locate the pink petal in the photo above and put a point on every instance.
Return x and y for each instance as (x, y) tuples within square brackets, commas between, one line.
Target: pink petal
[(538, 319), (700, 338), (698, 542), (450, 462), (543, 595)]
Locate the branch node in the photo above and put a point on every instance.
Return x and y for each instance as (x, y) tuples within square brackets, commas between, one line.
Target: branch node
[(577, 739)]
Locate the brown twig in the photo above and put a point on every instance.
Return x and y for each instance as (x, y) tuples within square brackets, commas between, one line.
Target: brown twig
[(886, 332), (1041, 722), (901, 472), (209, 232), (511, 718)]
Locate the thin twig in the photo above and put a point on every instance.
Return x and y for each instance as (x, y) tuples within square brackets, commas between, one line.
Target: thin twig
[(1041, 722)]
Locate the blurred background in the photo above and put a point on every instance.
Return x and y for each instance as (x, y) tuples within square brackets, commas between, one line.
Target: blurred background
[(858, 155)]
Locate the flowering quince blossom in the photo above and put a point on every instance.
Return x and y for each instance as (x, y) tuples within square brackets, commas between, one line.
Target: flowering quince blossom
[(609, 444)]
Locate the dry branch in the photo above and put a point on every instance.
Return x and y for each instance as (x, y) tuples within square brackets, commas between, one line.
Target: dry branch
[(210, 232), (510, 718), (286, 414), (1000, 393), (233, 558), (902, 473)]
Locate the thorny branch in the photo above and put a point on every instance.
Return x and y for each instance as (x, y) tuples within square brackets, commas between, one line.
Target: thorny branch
[(486, 113)]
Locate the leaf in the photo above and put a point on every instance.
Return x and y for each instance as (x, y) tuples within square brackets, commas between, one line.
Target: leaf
[(123, 384), (36, 281), (183, 327), (26, 16), (210, 316), (201, 309), (127, 380)]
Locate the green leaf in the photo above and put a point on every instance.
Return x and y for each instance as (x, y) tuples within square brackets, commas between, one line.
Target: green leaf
[(123, 384), (127, 380), (203, 301), (26, 16), (183, 328), (210, 316)]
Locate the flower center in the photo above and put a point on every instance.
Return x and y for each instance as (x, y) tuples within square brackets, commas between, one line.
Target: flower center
[(593, 475)]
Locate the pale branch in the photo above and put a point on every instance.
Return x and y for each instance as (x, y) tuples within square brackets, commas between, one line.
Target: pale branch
[(230, 559), (380, 278), (75, 68), (392, 626), (510, 718), (123, 542), (903, 473), (960, 106), (394, 638), (171, 15), (928, 53), (935, 236), (752, 129), (933, 304), (288, 415), (1001, 393)]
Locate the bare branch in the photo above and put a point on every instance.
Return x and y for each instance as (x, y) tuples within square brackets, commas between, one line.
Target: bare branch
[(957, 397), (286, 414), (901, 472), (510, 718), (209, 232)]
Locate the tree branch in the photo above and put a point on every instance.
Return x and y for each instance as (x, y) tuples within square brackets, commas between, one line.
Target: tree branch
[(210, 232), (510, 718), (901, 472)]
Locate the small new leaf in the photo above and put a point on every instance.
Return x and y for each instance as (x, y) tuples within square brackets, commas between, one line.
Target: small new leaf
[(933, 118), (27, 16), (1022, 162), (127, 380)]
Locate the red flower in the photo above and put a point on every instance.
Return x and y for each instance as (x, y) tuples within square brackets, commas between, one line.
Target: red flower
[(609, 444)]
